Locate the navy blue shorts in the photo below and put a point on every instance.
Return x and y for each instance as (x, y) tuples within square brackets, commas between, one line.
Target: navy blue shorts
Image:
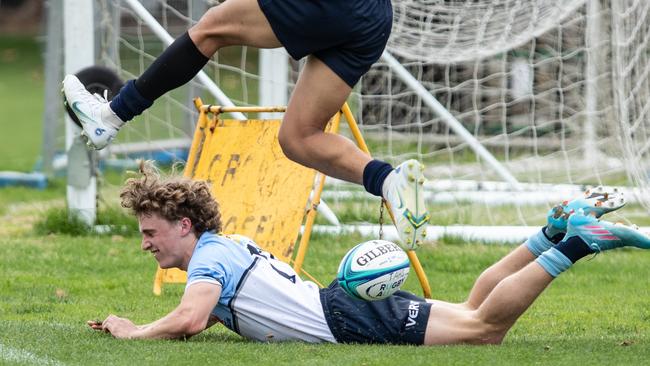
[(347, 35), (400, 319)]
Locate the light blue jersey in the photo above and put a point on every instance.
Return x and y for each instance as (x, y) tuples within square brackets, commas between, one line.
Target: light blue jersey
[(261, 298)]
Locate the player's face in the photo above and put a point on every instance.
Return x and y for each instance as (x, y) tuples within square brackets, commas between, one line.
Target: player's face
[(162, 238)]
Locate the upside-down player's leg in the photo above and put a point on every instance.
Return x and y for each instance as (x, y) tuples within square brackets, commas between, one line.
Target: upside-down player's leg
[(318, 95)]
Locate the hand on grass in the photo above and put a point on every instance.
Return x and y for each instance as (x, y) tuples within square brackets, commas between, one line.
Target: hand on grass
[(116, 326), (95, 324)]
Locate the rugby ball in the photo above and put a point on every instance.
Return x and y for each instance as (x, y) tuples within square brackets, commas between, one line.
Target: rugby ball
[(373, 270)]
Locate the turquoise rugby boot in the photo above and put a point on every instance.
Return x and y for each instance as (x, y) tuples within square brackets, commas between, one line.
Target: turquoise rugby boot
[(602, 235), (595, 202)]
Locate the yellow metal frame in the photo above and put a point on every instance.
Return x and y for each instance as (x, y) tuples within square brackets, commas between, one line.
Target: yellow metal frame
[(197, 142)]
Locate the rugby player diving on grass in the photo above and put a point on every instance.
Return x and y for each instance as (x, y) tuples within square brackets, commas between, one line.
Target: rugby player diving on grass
[(234, 282)]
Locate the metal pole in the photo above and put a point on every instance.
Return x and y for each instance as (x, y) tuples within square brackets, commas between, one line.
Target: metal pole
[(53, 70)]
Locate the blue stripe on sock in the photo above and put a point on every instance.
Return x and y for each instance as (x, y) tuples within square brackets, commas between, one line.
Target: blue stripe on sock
[(554, 262), (538, 243)]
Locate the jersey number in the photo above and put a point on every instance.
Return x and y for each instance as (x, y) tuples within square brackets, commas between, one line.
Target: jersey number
[(256, 251)]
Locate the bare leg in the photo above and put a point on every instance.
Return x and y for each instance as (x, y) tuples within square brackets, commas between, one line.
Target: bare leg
[(512, 296), (318, 95), (491, 321), (506, 266), (234, 22), (491, 276)]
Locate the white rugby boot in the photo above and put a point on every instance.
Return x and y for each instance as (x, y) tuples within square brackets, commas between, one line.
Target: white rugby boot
[(403, 189), (99, 123)]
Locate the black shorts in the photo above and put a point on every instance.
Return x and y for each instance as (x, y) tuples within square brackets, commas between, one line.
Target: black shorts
[(347, 35), (399, 319)]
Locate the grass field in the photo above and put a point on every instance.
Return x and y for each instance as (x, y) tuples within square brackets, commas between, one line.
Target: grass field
[(21, 92), (597, 313)]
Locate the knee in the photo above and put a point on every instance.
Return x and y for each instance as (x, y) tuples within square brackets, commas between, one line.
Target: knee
[(291, 144), (208, 32), (297, 139), (490, 334)]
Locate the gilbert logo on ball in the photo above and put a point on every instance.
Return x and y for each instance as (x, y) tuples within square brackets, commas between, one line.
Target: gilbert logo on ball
[(373, 270)]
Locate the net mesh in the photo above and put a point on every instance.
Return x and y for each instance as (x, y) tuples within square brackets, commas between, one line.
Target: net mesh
[(547, 105), (630, 71), (129, 45), (454, 31)]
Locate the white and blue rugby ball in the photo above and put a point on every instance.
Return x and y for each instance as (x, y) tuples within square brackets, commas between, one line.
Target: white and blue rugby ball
[(373, 270)]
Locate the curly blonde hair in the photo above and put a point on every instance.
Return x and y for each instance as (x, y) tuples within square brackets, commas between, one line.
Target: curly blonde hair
[(172, 198)]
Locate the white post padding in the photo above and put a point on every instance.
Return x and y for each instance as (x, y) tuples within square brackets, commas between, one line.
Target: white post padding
[(79, 53), (274, 75)]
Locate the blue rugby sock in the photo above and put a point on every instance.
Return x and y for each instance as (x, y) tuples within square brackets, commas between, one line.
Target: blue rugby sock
[(129, 103), (554, 262), (177, 65), (539, 243)]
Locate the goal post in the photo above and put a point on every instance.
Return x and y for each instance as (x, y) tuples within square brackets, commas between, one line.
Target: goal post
[(79, 53)]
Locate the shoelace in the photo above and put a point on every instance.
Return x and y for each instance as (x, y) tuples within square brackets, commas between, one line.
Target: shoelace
[(95, 97), (102, 98), (596, 248)]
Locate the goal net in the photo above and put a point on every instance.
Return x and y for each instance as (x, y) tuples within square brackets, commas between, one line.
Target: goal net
[(556, 91)]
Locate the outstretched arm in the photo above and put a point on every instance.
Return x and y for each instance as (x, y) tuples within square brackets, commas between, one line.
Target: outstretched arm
[(189, 318)]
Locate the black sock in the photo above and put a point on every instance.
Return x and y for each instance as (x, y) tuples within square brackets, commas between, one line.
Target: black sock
[(129, 102), (374, 175), (177, 65), (574, 248), (556, 238)]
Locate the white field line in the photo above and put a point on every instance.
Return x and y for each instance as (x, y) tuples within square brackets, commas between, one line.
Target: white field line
[(16, 355)]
